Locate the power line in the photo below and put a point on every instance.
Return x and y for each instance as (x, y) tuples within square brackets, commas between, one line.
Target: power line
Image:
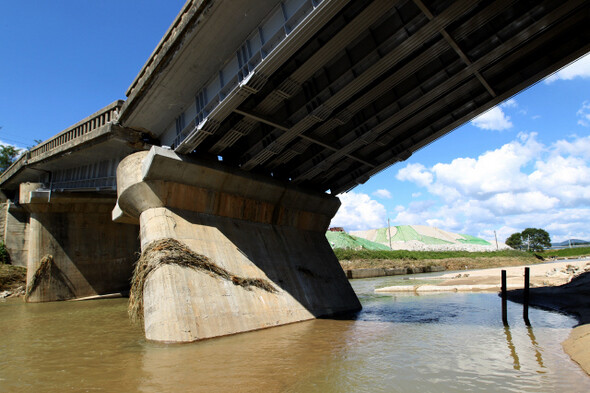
[(20, 142)]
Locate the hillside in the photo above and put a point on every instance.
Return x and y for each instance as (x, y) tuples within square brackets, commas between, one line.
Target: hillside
[(424, 238), (571, 242), (343, 240)]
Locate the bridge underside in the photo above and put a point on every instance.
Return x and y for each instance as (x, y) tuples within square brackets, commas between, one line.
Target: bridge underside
[(342, 90), (376, 82)]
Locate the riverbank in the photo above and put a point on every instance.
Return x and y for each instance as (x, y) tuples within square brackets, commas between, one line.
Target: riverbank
[(12, 281), (384, 272), (562, 286), (366, 268)]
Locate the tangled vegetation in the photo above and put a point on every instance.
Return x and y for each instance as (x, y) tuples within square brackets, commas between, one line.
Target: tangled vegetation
[(48, 271), (172, 252), (43, 271), (4, 255), (12, 277)]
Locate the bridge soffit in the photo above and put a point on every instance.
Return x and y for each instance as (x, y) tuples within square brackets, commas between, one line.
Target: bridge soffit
[(349, 91)]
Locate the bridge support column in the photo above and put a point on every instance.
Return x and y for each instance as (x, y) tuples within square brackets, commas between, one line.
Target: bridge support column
[(227, 251), (14, 232), (90, 254)]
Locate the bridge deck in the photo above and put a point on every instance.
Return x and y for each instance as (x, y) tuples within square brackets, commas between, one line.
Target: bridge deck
[(81, 157), (320, 93), (342, 90)]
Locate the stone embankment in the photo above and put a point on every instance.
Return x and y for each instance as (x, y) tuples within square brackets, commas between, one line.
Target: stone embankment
[(414, 245), (382, 272)]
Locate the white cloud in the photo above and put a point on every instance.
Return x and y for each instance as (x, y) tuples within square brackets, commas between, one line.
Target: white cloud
[(359, 212), (506, 203), (416, 194), (578, 69), (382, 193), (511, 103), (584, 114), (522, 184), (493, 119), (492, 172), (416, 173), (579, 147)]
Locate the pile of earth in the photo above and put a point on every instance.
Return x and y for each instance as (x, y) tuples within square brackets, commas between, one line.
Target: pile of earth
[(412, 238), (347, 241)]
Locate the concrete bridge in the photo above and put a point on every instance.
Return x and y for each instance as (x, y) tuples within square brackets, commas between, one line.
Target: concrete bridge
[(237, 135)]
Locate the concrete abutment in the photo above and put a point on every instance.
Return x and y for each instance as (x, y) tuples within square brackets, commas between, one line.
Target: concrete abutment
[(250, 228), (14, 227)]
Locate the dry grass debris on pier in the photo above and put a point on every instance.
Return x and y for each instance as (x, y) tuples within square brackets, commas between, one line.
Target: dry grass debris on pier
[(172, 252)]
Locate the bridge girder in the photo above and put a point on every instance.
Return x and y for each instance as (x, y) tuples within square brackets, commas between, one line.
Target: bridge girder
[(365, 84)]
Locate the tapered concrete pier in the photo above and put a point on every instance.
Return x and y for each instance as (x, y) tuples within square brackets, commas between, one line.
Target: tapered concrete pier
[(91, 255), (253, 228)]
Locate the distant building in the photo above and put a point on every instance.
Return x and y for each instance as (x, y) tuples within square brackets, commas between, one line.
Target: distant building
[(336, 229)]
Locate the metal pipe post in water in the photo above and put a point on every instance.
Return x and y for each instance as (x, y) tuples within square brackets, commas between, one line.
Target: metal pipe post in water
[(504, 300), (525, 301)]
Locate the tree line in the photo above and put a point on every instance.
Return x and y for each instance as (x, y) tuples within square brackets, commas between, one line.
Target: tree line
[(531, 239)]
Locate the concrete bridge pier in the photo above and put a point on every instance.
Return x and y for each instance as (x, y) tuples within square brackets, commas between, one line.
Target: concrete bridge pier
[(90, 254), (225, 251)]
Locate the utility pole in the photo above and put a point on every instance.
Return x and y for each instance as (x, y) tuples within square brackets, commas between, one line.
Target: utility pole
[(389, 231), (528, 243), (496, 236)]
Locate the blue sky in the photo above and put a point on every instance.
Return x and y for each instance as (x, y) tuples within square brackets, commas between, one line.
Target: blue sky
[(524, 163), (64, 60)]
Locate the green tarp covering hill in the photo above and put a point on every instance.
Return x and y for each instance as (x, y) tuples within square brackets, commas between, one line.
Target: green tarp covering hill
[(344, 240), (468, 239), (405, 233), (409, 237)]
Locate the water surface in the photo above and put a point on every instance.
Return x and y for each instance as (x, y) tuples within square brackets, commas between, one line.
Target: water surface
[(398, 343)]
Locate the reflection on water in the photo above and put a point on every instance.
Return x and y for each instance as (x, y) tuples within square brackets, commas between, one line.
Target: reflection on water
[(512, 348), (538, 355), (439, 343)]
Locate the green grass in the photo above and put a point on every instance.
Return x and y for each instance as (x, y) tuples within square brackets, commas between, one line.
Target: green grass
[(566, 252), (351, 255), (4, 256)]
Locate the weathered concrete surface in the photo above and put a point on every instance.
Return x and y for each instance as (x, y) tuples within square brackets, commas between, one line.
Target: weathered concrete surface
[(92, 254), (14, 232), (249, 226)]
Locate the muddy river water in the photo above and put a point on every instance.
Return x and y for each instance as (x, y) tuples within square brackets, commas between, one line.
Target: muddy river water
[(398, 343)]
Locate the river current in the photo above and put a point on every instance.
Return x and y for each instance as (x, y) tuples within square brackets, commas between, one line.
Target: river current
[(399, 343)]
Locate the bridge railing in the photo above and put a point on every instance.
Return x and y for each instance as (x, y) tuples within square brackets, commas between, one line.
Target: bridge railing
[(98, 175), (89, 124), (69, 136), (285, 17)]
